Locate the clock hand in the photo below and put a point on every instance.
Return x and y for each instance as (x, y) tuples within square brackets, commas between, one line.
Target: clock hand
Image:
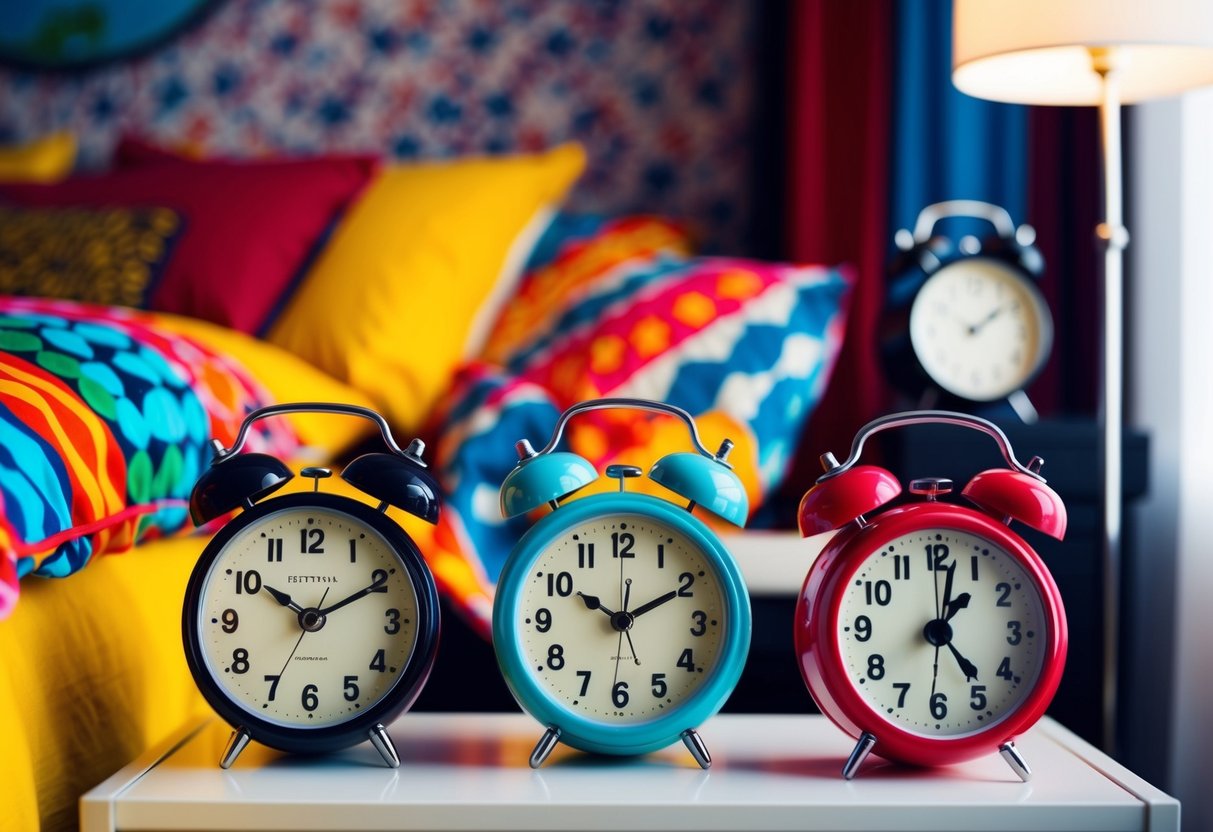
[(980, 325), (287, 663), (282, 598), (349, 599), (956, 605), (655, 603), (592, 603), (966, 666), (947, 590), (632, 647), (627, 593)]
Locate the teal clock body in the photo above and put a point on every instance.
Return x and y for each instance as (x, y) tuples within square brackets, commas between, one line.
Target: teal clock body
[(621, 621)]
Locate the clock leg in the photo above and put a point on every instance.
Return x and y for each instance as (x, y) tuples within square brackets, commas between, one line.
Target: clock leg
[(383, 744), (862, 749), (1015, 760), (544, 747), (695, 744), (235, 745)]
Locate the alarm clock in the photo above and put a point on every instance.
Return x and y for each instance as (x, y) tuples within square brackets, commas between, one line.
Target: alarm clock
[(310, 619), (965, 324), (931, 631), (621, 622)]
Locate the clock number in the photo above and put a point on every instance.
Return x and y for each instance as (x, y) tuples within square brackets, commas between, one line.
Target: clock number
[(620, 694), (701, 623), (350, 685), (973, 567), (661, 556), (686, 660), (353, 550), (686, 579), (1016, 636), (585, 681), (621, 544), (274, 554), (311, 541), (904, 687), (240, 660), (309, 699), (230, 621), (977, 698), (1004, 596), (379, 580), (901, 567), (248, 582), (863, 628), (881, 592), (585, 556), (939, 705), (543, 619), (561, 584), (556, 656), (1004, 669), (936, 555), (875, 666), (273, 680), (659, 686), (379, 662), (393, 622)]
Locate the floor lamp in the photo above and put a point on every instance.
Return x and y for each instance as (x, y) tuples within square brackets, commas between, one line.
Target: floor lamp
[(1102, 53)]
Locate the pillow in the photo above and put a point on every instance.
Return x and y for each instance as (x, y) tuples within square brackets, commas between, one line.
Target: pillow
[(105, 256), (47, 159), (394, 298), (746, 347), (249, 229), (105, 424)]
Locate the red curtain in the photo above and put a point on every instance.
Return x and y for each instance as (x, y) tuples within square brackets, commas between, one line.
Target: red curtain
[(839, 120)]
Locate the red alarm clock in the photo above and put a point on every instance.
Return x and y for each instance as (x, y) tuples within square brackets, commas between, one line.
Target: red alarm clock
[(931, 631)]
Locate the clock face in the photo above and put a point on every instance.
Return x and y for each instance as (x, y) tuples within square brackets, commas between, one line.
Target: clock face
[(979, 329), (942, 632), (307, 617), (621, 618)]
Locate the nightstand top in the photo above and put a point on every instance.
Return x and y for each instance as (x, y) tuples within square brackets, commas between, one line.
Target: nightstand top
[(466, 771)]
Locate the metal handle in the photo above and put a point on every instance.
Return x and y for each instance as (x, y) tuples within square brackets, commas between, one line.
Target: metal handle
[(635, 404), (929, 417), (997, 216), (222, 453)]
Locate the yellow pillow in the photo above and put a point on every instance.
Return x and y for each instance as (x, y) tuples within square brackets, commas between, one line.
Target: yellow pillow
[(394, 298), (44, 160), (288, 379)]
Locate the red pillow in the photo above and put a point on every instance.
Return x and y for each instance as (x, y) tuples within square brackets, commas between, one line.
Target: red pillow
[(250, 228)]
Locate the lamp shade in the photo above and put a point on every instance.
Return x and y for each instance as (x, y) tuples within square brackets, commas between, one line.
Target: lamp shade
[(1040, 51)]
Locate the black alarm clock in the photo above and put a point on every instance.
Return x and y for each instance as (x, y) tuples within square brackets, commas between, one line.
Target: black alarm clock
[(311, 619), (965, 324)]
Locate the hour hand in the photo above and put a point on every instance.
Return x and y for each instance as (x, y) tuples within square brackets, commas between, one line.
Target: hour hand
[(282, 598), (959, 603), (592, 603)]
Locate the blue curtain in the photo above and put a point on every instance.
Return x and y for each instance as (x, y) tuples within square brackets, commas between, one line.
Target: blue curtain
[(947, 145)]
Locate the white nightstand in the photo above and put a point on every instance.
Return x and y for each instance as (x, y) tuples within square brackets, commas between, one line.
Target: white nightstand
[(470, 772)]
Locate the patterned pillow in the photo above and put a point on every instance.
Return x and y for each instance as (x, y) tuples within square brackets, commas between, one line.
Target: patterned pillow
[(105, 424), (745, 346)]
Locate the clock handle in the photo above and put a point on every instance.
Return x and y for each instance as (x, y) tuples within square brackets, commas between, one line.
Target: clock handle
[(637, 404), (413, 452), (930, 417), (930, 216)]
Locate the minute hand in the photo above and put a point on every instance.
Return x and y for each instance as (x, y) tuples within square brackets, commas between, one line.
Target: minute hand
[(656, 602), (352, 598)]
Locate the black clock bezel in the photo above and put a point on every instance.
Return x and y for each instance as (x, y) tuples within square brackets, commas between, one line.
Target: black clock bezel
[(409, 682)]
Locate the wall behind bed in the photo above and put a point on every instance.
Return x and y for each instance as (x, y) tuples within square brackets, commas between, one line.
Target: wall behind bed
[(662, 93)]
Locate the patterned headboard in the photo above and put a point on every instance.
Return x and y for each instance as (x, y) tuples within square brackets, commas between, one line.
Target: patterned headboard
[(660, 92)]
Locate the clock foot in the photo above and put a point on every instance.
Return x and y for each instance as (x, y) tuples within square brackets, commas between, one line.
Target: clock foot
[(695, 744), (862, 749), (383, 744), (235, 745), (1015, 760), (544, 747)]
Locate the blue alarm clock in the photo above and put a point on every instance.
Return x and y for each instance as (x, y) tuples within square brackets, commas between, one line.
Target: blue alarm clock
[(621, 621)]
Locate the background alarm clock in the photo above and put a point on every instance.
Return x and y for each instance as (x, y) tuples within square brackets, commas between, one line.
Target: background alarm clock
[(621, 622), (964, 324), (931, 631), (311, 619)]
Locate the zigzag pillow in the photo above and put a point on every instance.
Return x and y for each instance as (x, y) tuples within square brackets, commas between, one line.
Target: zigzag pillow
[(745, 346)]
